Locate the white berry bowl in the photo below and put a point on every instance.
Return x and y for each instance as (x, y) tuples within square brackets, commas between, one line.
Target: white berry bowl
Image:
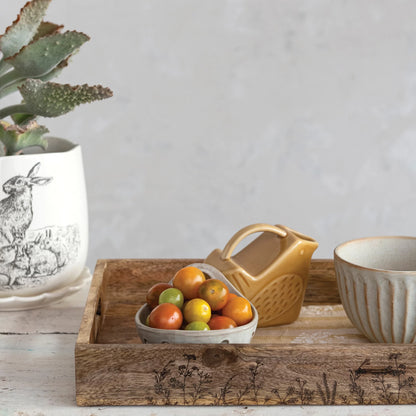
[(239, 335)]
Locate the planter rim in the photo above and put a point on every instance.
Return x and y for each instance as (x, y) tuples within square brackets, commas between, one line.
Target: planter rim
[(53, 143)]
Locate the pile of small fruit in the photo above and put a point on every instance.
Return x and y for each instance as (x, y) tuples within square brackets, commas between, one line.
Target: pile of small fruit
[(194, 302)]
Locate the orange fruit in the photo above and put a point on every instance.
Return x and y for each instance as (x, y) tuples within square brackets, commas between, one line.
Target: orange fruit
[(197, 310), (166, 316), (215, 292), (239, 310), (152, 296), (232, 296), (188, 280), (221, 322)]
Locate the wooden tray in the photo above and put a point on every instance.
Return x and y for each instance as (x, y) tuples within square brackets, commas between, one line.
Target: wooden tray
[(319, 359)]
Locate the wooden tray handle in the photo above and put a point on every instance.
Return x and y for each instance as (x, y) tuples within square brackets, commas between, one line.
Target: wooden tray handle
[(246, 231)]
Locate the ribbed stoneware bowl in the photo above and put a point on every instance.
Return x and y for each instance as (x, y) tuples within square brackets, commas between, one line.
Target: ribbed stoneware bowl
[(377, 284), (239, 335)]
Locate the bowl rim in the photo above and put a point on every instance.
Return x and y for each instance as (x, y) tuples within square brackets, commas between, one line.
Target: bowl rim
[(373, 269)]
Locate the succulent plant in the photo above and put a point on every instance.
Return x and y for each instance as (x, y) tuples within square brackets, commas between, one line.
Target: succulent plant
[(34, 52)]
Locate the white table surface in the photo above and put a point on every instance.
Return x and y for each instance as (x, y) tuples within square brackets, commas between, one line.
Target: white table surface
[(37, 374)]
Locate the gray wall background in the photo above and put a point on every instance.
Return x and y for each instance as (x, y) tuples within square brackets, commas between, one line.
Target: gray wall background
[(231, 112)]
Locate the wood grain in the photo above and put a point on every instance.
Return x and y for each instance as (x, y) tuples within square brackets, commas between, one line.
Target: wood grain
[(319, 359), (90, 319), (244, 375), (322, 285), (125, 284)]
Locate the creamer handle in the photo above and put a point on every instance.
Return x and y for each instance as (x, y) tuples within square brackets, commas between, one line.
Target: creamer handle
[(246, 231)]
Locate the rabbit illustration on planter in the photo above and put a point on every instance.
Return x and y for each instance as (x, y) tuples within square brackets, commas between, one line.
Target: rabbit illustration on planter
[(27, 255), (41, 261), (16, 212), (56, 245), (10, 258), (9, 252)]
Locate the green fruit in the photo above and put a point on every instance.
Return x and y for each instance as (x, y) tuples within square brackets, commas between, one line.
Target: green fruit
[(197, 326), (172, 295)]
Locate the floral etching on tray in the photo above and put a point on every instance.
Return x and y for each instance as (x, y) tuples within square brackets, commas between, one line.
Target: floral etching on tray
[(190, 380), (327, 393), (161, 387), (185, 377), (28, 257), (356, 389), (299, 393), (252, 386), (187, 383), (220, 399), (391, 383), (295, 394)]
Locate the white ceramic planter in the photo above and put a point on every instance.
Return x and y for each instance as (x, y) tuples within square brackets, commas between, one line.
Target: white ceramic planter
[(43, 220)]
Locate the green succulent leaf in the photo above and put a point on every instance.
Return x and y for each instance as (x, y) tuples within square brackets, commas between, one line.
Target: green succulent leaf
[(41, 56), (52, 74), (47, 28), (15, 138), (10, 89), (50, 99), (13, 87), (22, 118), (22, 30)]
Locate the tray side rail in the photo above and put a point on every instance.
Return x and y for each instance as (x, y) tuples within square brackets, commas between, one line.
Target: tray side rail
[(91, 317), (273, 374)]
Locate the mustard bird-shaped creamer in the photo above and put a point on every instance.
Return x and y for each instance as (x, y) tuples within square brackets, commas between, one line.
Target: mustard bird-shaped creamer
[(272, 271)]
